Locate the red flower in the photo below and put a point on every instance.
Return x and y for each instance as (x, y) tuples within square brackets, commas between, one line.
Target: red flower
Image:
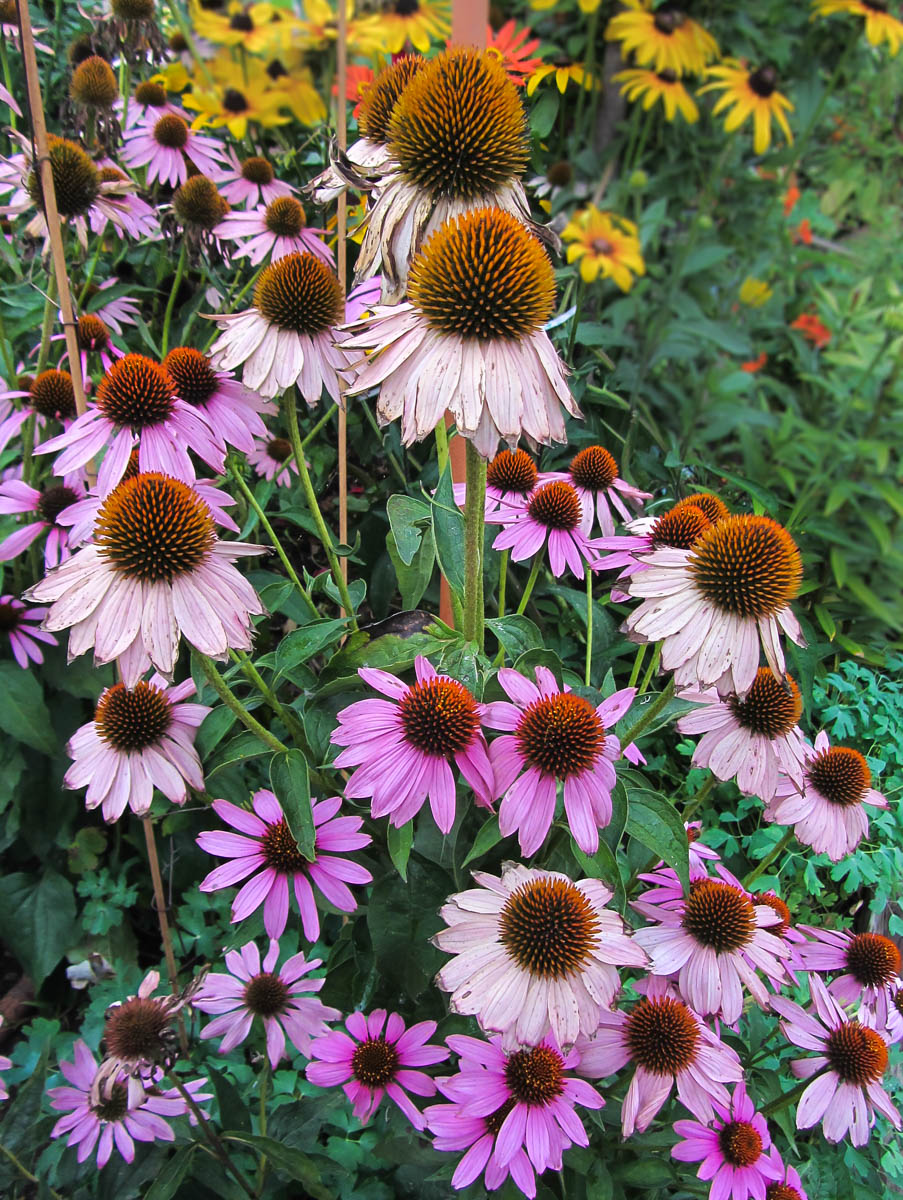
[(812, 329), (803, 232), (358, 80), (513, 50), (790, 198), (755, 364)]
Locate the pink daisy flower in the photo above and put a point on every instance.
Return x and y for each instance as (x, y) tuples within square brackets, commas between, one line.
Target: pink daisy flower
[(736, 1152), (711, 607), (669, 1045), (552, 737), (249, 181), (278, 229), (226, 405), (850, 1062), (790, 1187), (147, 104), (114, 311), (827, 812), (22, 625), (593, 473), (93, 337), (714, 941), (135, 217), (46, 504), (163, 145), (526, 1102), (48, 397), (117, 1119), (274, 459), (155, 572), (870, 964), (510, 478), (754, 739), (402, 746), (266, 842), (379, 1057), (552, 514), (533, 952), (137, 397), (141, 738), (277, 998)]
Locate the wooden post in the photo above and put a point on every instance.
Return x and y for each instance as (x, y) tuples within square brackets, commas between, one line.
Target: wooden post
[(342, 259)]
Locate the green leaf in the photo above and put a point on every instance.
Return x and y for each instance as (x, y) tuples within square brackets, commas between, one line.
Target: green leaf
[(213, 729), (408, 518), (232, 1108), (545, 111), (704, 257), (655, 823), (290, 780), (603, 865), (287, 1159), (402, 917), (171, 1176), (399, 841), (414, 577), (516, 634), (489, 835), (242, 746), (20, 1117), (302, 644), (23, 713), (37, 920), (651, 1172), (826, 621), (448, 532)]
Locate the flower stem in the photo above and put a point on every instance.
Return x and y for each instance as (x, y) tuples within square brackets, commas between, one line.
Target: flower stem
[(263, 1081), (474, 524), (531, 582), (160, 905), (699, 799), (185, 30), (575, 319), (589, 625), (788, 1098), (503, 581), (650, 712), (47, 323), (215, 1144), (769, 859), (233, 703), (171, 302), (22, 1169), (7, 79), (650, 671), (637, 663), (308, 437)]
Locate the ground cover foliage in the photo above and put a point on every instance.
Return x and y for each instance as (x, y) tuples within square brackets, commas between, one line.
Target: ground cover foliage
[(727, 307)]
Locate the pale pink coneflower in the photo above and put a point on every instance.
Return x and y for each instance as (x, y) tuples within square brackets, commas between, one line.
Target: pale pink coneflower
[(553, 737), (711, 607), (850, 1062), (735, 1152), (115, 1119), (669, 1046), (403, 747), (8, 99), (46, 505), (870, 966), (136, 217), (700, 854), (147, 104), (714, 941), (510, 479), (376, 1057), (226, 405), (278, 998), (48, 397), (114, 311), (273, 458), (137, 398), (93, 337), (827, 812), (289, 334), (274, 231), (141, 738), (469, 339), (533, 952), (155, 572), (249, 181), (593, 473), (166, 145), (22, 625), (552, 516), (264, 844), (754, 739)]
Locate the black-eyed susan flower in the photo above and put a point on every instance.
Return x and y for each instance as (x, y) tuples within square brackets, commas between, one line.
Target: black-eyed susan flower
[(664, 38), (652, 86), (241, 93), (752, 93), (291, 75), (880, 23), (605, 244), (419, 22), (256, 28), (563, 73)]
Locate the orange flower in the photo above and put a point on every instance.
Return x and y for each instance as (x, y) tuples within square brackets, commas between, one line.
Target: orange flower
[(755, 364), (803, 232), (356, 84), (812, 329), (512, 48), (790, 198)]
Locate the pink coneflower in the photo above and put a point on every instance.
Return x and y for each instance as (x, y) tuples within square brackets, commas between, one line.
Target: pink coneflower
[(828, 813), (402, 747), (379, 1057), (552, 737), (5, 1063), (669, 1045), (278, 998), (712, 606), (533, 951), (754, 739), (510, 478), (526, 1101), (114, 311), (249, 181), (699, 852), (93, 337), (48, 397), (147, 104), (22, 625), (155, 572), (47, 504), (104, 1121), (594, 475), (266, 842), (137, 398), (736, 1153), (288, 336), (9, 100), (714, 942), (871, 965), (274, 458), (136, 217), (141, 738), (788, 1187), (453, 1130), (276, 230), (226, 405), (553, 514), (851, 1060), (163, 146)]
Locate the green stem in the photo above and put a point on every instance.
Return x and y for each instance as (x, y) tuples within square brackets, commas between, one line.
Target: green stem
[(650, 671), (171, 302), (90, 130), (233, 703), (637, 663), (589, 65), (503, 581), (390, 454), (699, 799), (215, 1144), (47, 323), (262, 1122), (291, 411), (285, 715), (474, 524), (271, 534), (24, 1171), (769, 859), (325, 419), (788, 1098), (125, 86), (7, 79), (803, 141), (441, 446), (589, 625), (185, 30), (578, 307), (83, 294), (531, 582), (650, 712)]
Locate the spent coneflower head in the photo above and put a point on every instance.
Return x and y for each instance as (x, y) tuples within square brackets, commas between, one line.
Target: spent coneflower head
[(93, 84), (198, 206)]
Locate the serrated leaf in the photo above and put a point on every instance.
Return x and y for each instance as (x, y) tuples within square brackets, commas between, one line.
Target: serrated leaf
[(37, 920), (23, 713), (655, 822), (290, 780), (399, 842)]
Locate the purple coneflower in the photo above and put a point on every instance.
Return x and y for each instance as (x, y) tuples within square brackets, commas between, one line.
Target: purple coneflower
[(93, 337), (699, 852), (147, 104), (273, 458), (166, 145), (114, 311), (48, 397), (510, 478), (5, 1063), (870, 964), (552, 514), (22, 625), (47, 505), (226, 405), (276, 230), (593, 472), (249, 181), (135, 217)]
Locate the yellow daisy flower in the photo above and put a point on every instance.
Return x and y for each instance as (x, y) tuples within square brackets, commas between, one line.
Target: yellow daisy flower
[(754, 292), (419, 22), (749, 93), (665, 39), (564, 73), (652, 86), (585, 6), (880, 24), (606, 245), (293, 79), (257, 28), (241, 93)]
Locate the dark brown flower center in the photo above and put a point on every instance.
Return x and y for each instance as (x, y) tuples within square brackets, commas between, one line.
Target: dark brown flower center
[(75, 178), (198, 203), (93, 83), (194, 379), (873, 959), (279, 449), (747, 566), (257, 170), (771, 708), (380, 98), (562, 735), (764, 81), (556, 505), (693, 833), (536, 1076), (719, 915), (171, 131), (439, 717), (781, 1191), (594, 469), (560, 173), (512, 472), (234, 101), (680, 527), (667, 20), (841, 775), (858, 1054), (713, 507), (154, 528), (112, 1107), (662, 1035), (406, 8), (740, 1143), (374, 1062), (667, 76), (132, 718), (266, 995), (52, 395), (776, 904), (280, 849), (241, 22), (152, 95), (299, 293), (496, 1119), (133, 10), (548, 927), (54, 500), (285, 217), (136, 392), (91, 332), (11, 617), (136, 1030)]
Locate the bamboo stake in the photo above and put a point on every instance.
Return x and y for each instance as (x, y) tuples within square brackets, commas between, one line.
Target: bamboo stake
[(342, 261)]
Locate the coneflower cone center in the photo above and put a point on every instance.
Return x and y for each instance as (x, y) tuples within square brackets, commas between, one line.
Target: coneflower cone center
[(10, 617), (858, 1054), (562, 735), (379, 100), (91, 332), (151, 95), (740, 1143), (873, 959), (374, 1062), (54, 500), (536, 1076), (299, 293), (257, 170), (719, 915), (171, 131), (772, 707), (194, 378), (483, 275), (136, 392), (458, 129), (747, 566), (279, 449), (496, 1119), (776, 904), (680, 527), (284, 217), (840, 774), (781, 1191), (198, 202), (512, 471), (556, 505), (763, 82), (93, 83), (713, 507), (279, 848), (137, 1030), (266, 995), (112, 1107), (548, 926), (154, 528), (52, 394), (75, 179), (132, 719), (439, 717), (662, 1035), (133, 10), (594, 468)]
